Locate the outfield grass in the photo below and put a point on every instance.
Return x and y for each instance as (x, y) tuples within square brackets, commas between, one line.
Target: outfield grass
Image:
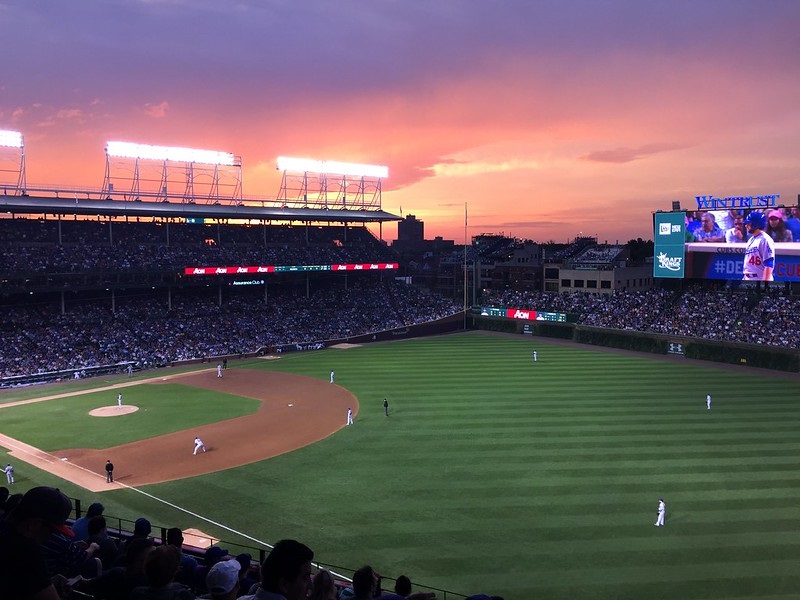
[(496, 474)]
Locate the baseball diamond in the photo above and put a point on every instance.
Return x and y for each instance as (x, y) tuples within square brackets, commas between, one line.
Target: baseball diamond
[(294, 411)]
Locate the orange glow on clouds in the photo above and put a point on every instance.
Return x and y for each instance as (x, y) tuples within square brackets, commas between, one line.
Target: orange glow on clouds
[(547, 120)]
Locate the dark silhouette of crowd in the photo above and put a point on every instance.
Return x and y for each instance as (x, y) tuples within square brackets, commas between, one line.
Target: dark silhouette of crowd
[(29, 246), (42, 558)]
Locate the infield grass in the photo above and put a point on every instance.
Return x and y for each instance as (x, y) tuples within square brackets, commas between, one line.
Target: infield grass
[(499, 475)]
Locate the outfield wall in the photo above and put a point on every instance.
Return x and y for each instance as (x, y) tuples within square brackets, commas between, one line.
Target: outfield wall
[(751, 355)]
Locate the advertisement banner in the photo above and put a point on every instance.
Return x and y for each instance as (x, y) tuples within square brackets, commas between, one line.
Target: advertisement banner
[(669, 246), (288, 268)]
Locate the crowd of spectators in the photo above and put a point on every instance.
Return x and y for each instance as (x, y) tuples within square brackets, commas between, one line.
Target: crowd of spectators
[(145, 331), (40, 246), (45, 557), (768, 318)]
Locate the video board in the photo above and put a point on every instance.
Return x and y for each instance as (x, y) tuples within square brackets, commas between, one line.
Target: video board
[(712, 242)]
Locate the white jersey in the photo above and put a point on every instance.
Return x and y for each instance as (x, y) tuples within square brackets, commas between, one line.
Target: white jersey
[(760, 253)]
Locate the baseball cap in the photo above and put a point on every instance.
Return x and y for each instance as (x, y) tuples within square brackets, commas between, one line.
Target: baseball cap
[(222, 577), (47, 503), (95, 509), (775, 213), (142, 526), (216, 553)]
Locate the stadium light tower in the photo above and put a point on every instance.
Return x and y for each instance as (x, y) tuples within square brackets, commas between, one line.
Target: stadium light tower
[(12, 150), (167, 158), (310, 182)]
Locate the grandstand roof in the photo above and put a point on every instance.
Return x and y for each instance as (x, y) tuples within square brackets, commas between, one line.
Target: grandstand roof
[(117, 208)]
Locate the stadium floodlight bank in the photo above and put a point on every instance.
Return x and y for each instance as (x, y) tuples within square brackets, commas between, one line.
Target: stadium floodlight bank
[(331, 167), (10, 139), (176, 168), (170, 153)]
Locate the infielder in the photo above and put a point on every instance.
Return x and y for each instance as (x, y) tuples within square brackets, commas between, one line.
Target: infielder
[(662, 511), (198, 445), (349, 416), (333, 376), (119, 400), (708, 401), (759, 256), (219, 371), (9, 471)]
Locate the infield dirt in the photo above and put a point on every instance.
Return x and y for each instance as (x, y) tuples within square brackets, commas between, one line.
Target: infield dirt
[(295, 411)]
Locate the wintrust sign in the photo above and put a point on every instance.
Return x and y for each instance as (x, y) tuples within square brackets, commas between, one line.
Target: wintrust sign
[(729, 202)]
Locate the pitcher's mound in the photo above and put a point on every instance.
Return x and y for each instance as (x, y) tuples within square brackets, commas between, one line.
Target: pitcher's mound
[(113, 411)]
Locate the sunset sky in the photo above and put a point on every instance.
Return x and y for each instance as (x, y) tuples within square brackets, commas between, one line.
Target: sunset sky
[(550, 119)]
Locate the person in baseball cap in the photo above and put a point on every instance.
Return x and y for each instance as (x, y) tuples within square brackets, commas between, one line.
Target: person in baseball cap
[(23, 571), (49, 504), (222, 580)]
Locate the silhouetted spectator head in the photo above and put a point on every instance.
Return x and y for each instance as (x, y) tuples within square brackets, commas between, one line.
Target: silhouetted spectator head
[(323, 586), (96, 525), (12, 501), (402, 586), (287, 570), (161, 565), (41, 510), (366, 582), (142, 527), (95, 509), (214, 554), (175, 537)]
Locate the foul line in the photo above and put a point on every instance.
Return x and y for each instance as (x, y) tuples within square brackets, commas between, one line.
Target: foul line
[(201, 517)]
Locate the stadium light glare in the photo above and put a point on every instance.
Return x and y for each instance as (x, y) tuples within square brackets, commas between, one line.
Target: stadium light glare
[(331, 167), (10, 139), (175, 154)]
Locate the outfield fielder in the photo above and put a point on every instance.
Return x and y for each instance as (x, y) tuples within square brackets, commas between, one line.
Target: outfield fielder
[(198, 444), (759, 256), (708, 401), (333, 376), (219, 370), (662, 511)]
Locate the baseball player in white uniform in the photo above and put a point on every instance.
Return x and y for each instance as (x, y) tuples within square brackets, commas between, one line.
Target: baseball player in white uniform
[(199, 445), (219, 370), (9, 471), (534, 356), (349, 416), (333, 376), (708, 401), (119, 400), (662, 511), (759, 256)]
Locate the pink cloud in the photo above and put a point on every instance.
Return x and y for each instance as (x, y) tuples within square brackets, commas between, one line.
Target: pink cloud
[(624, 155), (157, 111)]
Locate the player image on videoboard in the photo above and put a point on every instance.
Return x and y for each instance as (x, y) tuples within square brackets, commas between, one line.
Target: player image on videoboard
[(745, 244)]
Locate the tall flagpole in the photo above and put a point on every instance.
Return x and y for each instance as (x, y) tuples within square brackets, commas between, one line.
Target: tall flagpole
[(465, 265)]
